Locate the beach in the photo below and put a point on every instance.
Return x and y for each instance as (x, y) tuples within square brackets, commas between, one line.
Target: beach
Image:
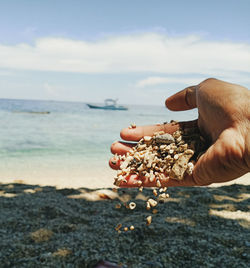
[(47, 226), (58, 208), (71, 223), (97, 96)]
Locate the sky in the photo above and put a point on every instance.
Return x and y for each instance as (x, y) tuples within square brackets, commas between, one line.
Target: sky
[(139, 51)]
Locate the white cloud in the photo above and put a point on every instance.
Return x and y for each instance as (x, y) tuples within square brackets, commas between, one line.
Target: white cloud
[(191, 80), (158, 53), (157, 80)]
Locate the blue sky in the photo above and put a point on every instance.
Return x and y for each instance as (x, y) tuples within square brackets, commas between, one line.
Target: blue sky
[(134, 50)]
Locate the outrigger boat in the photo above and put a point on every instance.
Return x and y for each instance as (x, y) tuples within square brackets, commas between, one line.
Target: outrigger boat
[(110, 104)]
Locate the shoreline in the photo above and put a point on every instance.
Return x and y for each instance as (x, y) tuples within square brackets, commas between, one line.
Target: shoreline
[(102, 178)]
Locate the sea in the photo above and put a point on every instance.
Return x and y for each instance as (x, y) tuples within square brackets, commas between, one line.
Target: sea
[(48, 140)]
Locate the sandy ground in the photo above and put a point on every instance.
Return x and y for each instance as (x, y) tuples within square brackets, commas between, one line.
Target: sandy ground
[(95, 178), (64, 223)]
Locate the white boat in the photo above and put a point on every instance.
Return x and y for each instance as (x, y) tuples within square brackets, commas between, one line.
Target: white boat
[(110, 104)]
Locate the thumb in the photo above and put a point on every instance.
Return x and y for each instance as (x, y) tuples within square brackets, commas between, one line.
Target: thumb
[(221, 162), (183, 100)]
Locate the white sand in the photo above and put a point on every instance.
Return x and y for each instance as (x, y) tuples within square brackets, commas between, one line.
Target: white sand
[(97, 178), (245, 180)]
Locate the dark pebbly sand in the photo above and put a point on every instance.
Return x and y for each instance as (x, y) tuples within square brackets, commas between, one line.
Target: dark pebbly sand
[(196, 227)]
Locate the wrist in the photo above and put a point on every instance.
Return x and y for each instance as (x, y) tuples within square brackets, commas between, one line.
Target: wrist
[(247, 147), (244, 128)]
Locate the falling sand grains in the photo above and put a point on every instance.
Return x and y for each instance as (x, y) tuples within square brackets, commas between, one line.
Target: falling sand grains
[(132, 205), (149, 220), (157, 159)]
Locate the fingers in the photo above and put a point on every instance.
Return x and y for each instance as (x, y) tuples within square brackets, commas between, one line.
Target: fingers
[(132, 182), (183, 100), (135, 134), (114, 163), (121, 148)]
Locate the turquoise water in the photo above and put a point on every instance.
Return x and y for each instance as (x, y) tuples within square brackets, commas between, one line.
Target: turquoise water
[(71, 136)]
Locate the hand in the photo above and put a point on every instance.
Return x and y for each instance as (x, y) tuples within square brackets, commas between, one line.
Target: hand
[(224, 122)]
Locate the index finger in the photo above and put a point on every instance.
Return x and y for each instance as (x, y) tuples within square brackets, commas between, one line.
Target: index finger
[(135, 134)]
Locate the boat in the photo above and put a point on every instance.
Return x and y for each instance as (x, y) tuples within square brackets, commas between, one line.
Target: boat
[(32, 112), (110, 104)]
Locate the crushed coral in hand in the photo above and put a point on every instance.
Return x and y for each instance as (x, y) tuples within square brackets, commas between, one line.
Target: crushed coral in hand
[(160, 157)]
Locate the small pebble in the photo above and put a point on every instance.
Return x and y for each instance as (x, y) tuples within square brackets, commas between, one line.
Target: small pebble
[(149, 220), (147, 138), (152, 202), (158, 183), (132, 205), (154, 211), (155, 192), (139, 183), (118, 227), (148, 205), (118, 206)]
